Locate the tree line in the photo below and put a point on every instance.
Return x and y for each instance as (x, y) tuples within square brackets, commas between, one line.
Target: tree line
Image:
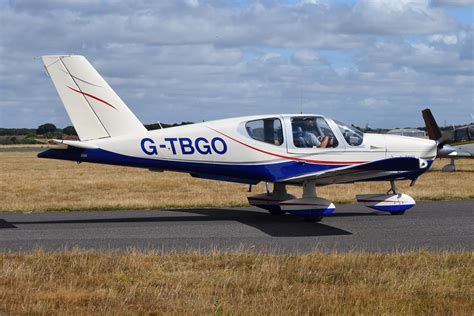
[(48, 130)]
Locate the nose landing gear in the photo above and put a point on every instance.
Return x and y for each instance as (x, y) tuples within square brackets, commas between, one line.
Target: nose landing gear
[(392, 202)]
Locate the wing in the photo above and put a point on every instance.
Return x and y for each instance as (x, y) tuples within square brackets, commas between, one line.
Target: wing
[(459, 154), (391, 167)]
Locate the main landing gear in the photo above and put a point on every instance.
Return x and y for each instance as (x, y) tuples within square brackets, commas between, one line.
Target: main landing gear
[(392, 202), (450, 167), (313, 208), (310, 207)]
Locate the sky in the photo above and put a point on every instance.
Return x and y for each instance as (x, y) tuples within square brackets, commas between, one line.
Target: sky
[(365, 62)]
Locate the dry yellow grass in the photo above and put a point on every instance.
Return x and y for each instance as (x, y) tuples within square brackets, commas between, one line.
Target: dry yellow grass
[(44, 145), (32, 184), (79, 282)]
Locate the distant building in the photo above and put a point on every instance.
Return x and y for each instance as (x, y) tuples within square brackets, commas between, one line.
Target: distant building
[(412, 132)]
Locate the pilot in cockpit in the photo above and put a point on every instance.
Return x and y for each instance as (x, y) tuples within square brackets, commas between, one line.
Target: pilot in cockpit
[(309, 134)]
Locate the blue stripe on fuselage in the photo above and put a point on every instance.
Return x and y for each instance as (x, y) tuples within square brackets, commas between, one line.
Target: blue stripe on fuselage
[(273, 172), (261, 172)]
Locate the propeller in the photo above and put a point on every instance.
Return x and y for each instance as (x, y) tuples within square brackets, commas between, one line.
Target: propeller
[(434, 133)]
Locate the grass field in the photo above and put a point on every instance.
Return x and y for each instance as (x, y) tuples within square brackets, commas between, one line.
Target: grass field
[(78, 282), (44, 145), (32, 184)]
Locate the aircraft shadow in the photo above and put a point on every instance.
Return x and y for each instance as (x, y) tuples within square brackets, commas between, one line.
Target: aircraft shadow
[(275, 226)]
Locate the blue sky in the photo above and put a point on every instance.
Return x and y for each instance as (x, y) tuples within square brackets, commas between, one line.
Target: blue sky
[(365, 62)]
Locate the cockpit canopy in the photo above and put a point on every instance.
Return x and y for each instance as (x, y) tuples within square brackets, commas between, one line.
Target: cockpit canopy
[(306, 132)]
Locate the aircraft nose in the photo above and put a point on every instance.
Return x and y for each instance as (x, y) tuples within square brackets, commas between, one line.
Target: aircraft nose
[(425, 148), (398, 146)]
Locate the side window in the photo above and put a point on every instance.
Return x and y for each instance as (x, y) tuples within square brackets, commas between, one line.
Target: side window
[(312, 132), (266, 130)]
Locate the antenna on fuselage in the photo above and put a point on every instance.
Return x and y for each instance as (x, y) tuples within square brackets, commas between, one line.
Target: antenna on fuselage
[(301, 100)]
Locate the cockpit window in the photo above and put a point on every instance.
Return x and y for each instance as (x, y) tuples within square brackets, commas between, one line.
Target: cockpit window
[(312, 132), (266, 130), (352, 135)]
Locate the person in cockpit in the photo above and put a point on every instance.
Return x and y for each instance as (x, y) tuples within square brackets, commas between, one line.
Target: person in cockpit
[(309, 135)]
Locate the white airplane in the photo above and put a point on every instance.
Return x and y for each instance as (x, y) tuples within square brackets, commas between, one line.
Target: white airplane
[(283, 149)]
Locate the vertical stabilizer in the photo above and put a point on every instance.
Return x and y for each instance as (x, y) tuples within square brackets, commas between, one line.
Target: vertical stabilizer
[(95, 110)]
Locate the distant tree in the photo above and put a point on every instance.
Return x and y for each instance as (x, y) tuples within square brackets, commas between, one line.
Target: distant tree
[(69, 130), (152, 126), (164, 125), (16, 131), (46, 128)]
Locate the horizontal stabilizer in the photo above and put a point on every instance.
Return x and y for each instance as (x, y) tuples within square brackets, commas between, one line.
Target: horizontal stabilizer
[(75, 143)]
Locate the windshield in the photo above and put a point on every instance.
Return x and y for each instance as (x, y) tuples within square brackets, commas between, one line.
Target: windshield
[(352, 135)]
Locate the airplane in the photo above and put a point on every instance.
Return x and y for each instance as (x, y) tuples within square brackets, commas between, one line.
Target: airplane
[(453, 144), (305, 150)]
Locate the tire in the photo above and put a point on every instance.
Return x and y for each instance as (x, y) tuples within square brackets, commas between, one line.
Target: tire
[(276, 212), (313, 219), (397, 213)]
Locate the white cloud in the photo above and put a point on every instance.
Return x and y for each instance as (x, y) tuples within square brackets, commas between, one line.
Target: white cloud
[(373, 104), (399, 17), (180, 60), (192, 3), (445, 39), (453, 2), (306, 57)]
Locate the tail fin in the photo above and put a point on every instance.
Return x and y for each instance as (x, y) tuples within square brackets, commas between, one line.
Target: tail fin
[(95, 110), (432, 128)]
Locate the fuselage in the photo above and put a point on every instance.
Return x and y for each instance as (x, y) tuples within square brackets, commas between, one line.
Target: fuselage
[(461, 140), (254, 148)]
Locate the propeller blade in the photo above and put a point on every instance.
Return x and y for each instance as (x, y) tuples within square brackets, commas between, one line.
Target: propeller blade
[(432, 128)]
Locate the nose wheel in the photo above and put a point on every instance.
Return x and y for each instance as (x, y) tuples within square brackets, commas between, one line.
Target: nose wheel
[(397, 213), (393, 190)]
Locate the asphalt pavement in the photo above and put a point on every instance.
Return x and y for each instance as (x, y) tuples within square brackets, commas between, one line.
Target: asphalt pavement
[(437, 225)]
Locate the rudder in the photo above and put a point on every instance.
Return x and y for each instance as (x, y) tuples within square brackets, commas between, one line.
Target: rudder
[(95, 110)]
